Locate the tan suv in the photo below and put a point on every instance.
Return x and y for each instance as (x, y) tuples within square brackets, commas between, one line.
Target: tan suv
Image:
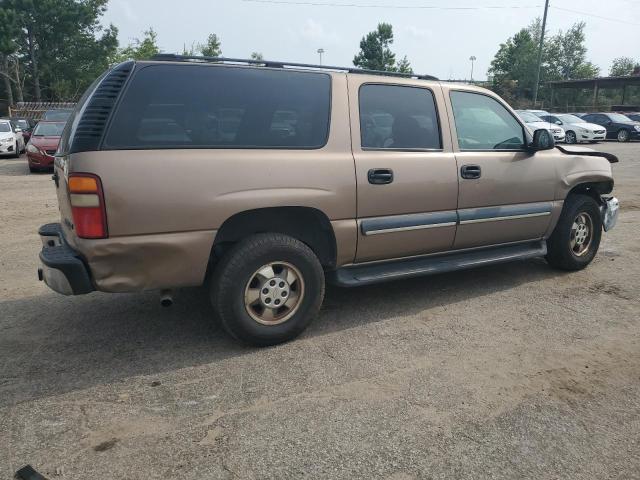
[(262, 180)]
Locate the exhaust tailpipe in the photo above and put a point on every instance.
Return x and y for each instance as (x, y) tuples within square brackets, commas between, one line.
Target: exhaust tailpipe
[(166, 298)]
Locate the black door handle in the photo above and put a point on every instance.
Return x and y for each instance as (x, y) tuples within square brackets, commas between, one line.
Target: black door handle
[(470, 171), (380, 176)]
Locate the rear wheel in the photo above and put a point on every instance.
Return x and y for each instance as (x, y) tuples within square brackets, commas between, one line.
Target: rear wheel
[(623, 135), (267, 289), (576, 238), (16, 152), (570, 137)]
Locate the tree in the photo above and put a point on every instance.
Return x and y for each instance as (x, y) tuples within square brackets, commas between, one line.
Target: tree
[(375, 53), (8, 46), (623, 66), (212, 47), (513, 68), (139, 49), (257, 56), (404, 66), (566, 55)]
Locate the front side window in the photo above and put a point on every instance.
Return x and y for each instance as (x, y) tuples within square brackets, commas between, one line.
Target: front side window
[(483, 123), (196, 106), (397, 117), (5, 127)]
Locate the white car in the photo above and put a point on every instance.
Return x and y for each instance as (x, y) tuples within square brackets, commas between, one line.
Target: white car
[(11, 140), (576, 129), (534, 123)]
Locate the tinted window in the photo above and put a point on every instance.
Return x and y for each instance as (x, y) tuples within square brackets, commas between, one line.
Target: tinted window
[(397, 117), (482, 123), (57, 115), (170, 106)]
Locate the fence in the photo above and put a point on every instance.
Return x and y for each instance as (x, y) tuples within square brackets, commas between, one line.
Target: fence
[(35, 110)]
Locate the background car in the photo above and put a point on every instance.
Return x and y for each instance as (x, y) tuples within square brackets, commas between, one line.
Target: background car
[(11, 141), (576, 129), (24, 124), (635, 116), (618, 126), (57, 115), (534, 122), (43, 145)]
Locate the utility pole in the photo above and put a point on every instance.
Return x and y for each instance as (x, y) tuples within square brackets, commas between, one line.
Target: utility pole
[(544, 26), (320, 52), (473, 59)]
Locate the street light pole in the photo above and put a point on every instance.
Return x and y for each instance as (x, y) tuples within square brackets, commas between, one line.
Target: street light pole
[(473, 59), (320, 52), (544, 26)]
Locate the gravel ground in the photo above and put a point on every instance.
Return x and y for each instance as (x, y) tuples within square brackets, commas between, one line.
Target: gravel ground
[(512, 371)]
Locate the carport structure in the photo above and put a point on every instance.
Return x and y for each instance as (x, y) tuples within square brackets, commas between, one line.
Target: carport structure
[(623, 84)]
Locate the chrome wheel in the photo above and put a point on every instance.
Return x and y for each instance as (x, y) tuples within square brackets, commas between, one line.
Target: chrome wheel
[(274, 293), (581, 234), (571, 138), (623, 136)]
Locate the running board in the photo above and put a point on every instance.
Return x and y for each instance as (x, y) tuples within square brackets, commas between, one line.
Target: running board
[(367, 274)]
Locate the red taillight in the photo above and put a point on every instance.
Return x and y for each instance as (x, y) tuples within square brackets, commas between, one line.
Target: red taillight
[(87, 205)]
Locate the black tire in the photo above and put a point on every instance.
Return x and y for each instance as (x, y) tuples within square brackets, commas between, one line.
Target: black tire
[(560, 253), (33, 169), (16, 152), (237, 268), (570, 137), (623, 135)]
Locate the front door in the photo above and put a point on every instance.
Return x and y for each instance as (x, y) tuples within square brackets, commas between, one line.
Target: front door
[(406, 172), (506, 192)]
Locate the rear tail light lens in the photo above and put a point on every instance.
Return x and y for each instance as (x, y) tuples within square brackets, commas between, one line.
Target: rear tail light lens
[(87, 205)]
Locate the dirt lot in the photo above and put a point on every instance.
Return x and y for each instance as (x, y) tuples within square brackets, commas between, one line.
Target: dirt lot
[(514, 371)]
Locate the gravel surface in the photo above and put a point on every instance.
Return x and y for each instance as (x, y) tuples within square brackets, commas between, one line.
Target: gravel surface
[(512, 371)]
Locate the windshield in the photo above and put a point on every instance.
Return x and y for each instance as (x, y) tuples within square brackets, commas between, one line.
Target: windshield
[(5, 127), (571, 119), (618, 117), (529, 117), (57, 115), (23, 124), (49, 129)]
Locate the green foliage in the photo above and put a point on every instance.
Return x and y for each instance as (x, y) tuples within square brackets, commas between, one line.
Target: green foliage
[(139, 49), (513, 69), (404, 66), (623, 66), (212, 47), (257, 56), (375, 53)]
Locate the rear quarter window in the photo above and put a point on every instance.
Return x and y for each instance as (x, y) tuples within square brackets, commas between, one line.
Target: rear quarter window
[(200, 106)]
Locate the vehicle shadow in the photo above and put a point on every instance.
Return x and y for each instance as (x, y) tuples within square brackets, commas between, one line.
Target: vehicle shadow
[(51, 344)]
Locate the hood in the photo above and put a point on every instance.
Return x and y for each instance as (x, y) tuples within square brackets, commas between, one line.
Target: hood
[(586, 151), (45, 143), (543, 125), (4, 135), (588, 126)]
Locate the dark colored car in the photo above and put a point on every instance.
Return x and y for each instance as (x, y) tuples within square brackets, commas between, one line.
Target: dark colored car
[(43, 145), (26, 125), (633, 116), (618, 126), (57, 115)]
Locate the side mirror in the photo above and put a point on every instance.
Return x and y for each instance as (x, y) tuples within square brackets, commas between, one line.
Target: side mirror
[(18, 130), (542, 140), (609, 122), (558, 122)]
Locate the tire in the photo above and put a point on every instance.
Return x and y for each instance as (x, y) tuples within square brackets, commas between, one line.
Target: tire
[(569, 247), (570, 137), (623, 135), (237, 277), (16, 152), (33, 169)]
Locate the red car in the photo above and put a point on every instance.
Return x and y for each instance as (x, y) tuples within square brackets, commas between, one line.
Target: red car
[(43, 145)]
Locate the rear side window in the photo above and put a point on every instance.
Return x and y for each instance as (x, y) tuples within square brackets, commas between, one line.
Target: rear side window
[(397, 117), (195, 106), (482, 123)]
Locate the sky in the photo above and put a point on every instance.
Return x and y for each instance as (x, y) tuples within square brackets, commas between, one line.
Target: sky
[(438, 41)]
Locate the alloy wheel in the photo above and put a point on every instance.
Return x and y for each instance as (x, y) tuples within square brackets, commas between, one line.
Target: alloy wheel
[(581, 234)]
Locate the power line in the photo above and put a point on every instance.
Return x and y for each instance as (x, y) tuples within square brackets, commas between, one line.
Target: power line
[(388, 6), (571, 10)]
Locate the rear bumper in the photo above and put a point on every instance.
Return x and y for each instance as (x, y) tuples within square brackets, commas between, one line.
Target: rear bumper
[(61, 267)]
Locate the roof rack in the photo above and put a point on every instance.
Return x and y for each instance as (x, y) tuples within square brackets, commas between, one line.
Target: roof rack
[(172, 57)]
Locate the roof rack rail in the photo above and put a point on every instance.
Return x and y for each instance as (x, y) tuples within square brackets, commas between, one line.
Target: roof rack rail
[(172, 57)]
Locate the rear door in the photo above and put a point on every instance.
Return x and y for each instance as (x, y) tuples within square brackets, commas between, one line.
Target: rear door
[(506, 192), (405, 168)]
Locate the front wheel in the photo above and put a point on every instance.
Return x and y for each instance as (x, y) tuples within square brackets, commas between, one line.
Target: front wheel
[(571, 138), (623, 135), (267, 289), (576, 238)]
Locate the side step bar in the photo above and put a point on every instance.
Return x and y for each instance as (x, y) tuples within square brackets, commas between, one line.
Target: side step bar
[(367, 274)]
